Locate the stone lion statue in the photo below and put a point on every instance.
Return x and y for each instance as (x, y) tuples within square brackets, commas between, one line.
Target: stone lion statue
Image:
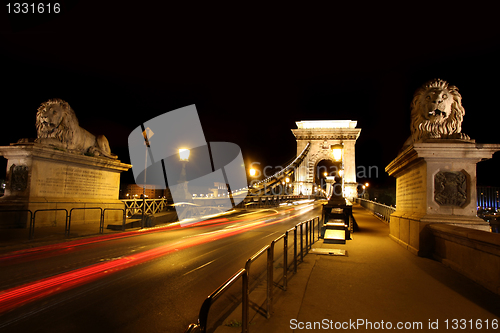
[(57, 125), (436, 112)]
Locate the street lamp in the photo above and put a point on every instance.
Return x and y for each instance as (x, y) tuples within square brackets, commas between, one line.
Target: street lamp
[(184, 154), (252, 172), (337, 152), (147, 134), (184, 158)]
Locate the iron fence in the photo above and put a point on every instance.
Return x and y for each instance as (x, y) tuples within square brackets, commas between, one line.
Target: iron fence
[(382, 211), (67, 217), (136, 206), (201, 325)]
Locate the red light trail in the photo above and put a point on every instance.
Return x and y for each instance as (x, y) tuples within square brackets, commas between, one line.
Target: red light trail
[(103, 238), (17, 296)]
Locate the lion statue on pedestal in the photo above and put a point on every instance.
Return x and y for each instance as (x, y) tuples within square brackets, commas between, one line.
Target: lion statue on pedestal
[(436, 113), (57, 125)]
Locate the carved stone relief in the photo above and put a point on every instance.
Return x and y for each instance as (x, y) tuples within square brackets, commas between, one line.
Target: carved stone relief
[(18, 177), (450, 188)]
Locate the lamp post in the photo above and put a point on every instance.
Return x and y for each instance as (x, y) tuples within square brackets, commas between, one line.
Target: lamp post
[(147, 134), (184, 157), (184, 154), (336, 209), (338, 154)]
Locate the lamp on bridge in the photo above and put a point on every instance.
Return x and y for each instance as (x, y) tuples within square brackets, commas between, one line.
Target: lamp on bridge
[(335, 215), (184, 154), (337, 152), (337, 155), (252, 172), (184, 157)]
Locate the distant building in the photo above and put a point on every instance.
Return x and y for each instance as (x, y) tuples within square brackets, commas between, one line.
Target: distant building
[(131, 191), (219, 189), (488, 197)]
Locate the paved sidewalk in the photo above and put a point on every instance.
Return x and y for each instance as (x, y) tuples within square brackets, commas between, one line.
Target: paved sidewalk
[(377, 285)]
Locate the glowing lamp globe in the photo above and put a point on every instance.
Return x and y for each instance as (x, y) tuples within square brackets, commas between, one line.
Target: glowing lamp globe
[(184, 154), (337, 152)]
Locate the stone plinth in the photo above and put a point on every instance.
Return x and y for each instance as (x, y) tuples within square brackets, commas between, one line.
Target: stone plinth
[(43, 177), (436, 183)]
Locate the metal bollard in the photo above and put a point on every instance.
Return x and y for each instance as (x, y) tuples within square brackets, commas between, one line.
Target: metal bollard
[(244, 303), (295, 250), (301, 245), (307, 237), (285, 261), (270, 260)]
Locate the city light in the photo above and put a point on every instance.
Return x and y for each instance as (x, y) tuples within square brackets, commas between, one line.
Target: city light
[(337, 152), (184, 154)]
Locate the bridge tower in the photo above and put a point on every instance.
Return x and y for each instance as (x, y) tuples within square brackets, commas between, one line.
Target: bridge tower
[(323, 136)]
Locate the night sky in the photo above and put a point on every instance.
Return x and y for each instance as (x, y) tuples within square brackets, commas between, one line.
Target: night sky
[(252, 71)]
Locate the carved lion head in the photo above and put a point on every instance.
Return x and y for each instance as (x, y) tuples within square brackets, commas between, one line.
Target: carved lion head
[(55, 119), (437, 112)]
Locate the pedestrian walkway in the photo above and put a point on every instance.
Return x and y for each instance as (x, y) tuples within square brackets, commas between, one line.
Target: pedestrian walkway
[(377, 285)]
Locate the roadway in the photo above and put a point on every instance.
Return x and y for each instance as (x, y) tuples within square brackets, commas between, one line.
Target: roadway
[(153, 281)]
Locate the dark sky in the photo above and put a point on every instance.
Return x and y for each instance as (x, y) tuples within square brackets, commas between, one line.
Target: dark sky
[(252, 71)]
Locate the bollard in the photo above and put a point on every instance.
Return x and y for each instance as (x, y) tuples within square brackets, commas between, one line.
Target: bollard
[(307, 237), (295, 249), (301, 244), (270, 259), (285, 261)]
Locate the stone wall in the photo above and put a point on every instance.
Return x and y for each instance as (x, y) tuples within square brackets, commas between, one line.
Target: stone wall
[(40, 177), (473, 253)]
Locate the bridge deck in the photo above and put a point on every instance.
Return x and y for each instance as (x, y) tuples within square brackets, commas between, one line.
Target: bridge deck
[(377, 281)]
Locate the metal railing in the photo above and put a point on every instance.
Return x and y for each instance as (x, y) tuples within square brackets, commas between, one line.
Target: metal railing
[(68, 221), (101, 226), (201, 325), (68, 216), (382, 211), (152, 206), (205, 307), (32, 221)]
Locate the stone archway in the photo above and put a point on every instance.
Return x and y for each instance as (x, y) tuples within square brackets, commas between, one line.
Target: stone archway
[(323, 134), (328, 166)]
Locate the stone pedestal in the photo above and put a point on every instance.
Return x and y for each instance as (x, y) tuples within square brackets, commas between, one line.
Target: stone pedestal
[(436, 183), (42, 177)]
